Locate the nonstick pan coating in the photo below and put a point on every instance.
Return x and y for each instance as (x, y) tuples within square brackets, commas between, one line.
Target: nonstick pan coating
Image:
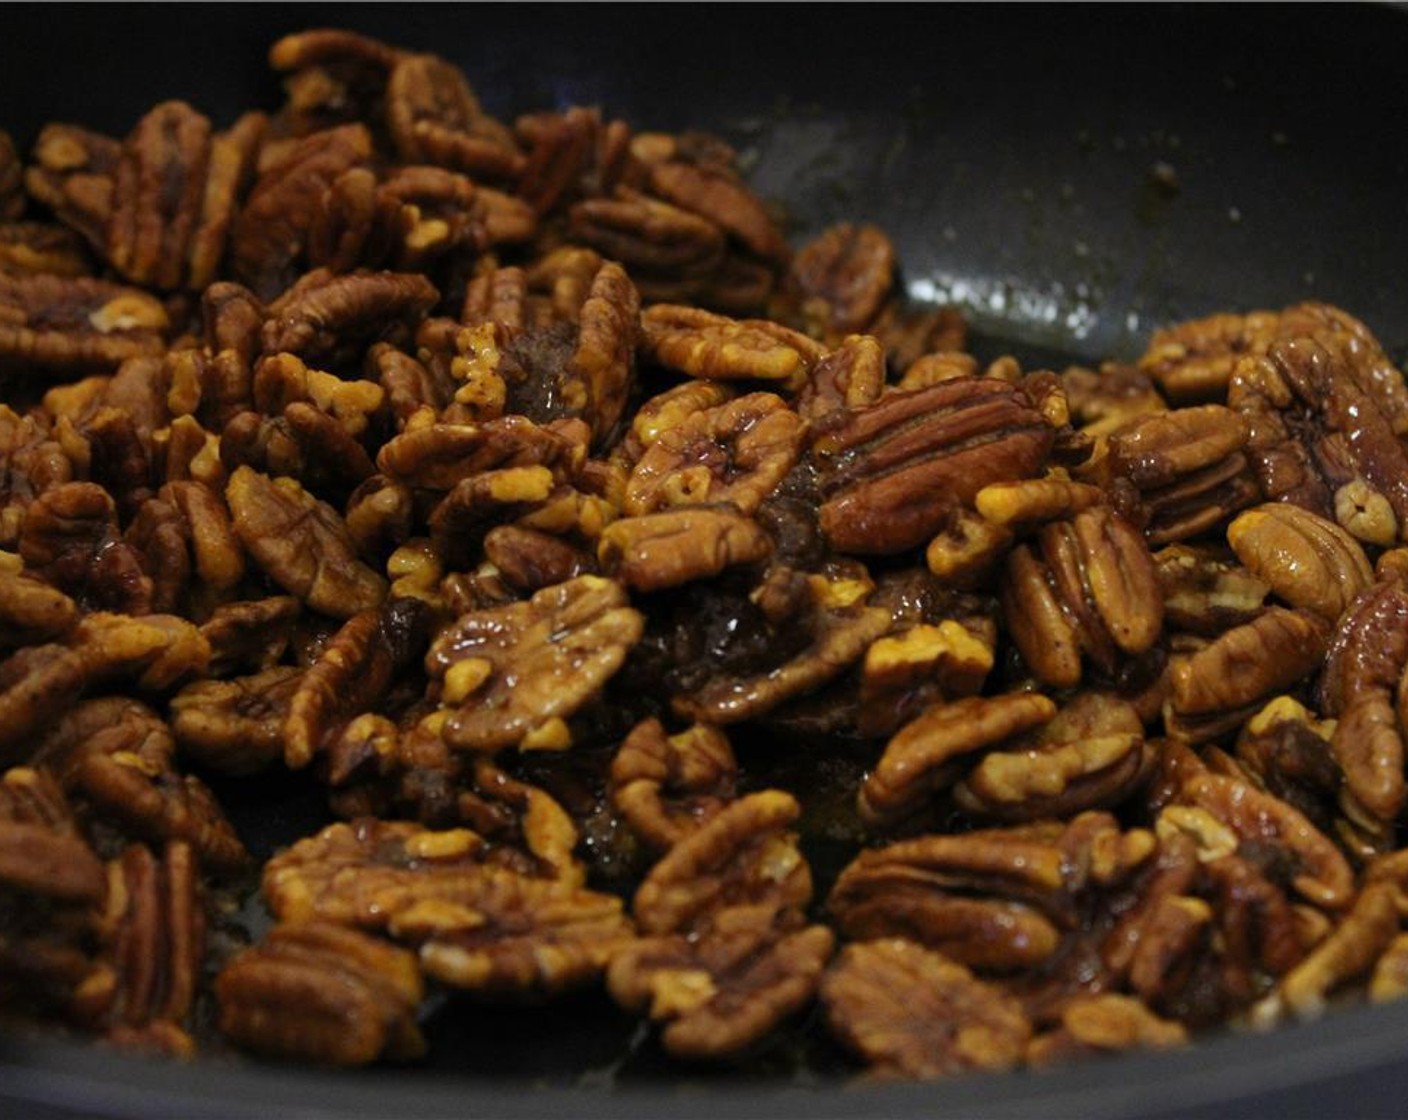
[(1070, 176)]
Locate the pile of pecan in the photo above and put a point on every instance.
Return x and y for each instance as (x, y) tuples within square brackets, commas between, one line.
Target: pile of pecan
[(599, 559)]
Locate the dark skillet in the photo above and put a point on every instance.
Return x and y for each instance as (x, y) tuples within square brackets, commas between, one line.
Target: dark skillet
[(1071, 176)]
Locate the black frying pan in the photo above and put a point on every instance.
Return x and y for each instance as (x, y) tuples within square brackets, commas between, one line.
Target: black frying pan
[(1070, 176)]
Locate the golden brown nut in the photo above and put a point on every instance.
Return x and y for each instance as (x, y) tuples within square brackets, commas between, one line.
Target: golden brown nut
[(1215, 688), (735, 452), (1087, 589), (842, 278), (1103, 1025), (270, 230), (669, 786), (720, 994), (666, 549), (351, 673), (435, 118), (57, 326), (1360, 685), (1188, 466), (1324, 418), (929, 753), (1193, 361), (301, 544), (828, 628), (701, 344), (321, 993), (235, 726), (116, 758), (72, 174), (513, 675), (912, 1012), (851, 376), (892, 473), (479, 924), (1310, 562)]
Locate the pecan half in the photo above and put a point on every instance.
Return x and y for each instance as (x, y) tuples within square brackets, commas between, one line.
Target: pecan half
[(892, 473), (55, 326), (669, 786), (513, 675), (735, 452), (1310, 562), (1088, 588), (301, 544), (321, 993), (911, 1012)]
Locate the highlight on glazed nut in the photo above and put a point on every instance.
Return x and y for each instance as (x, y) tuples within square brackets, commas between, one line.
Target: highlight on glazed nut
[(658, 613)]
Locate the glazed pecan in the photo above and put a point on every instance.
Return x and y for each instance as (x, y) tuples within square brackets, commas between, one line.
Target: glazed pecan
[(719, 195), (829, 627), (702, 344), (72, 174), (435, 118), (1348, 953), (305, 444), (998, 900), (158, 188), (346, 75), (184, 537), (35, 248), (351, 673), (269, 233), (737, 451), (56, 326), (42, 851), (720, 994), (1193, 361), (325, 317), (1359, 686), (892, 473), (1216, 688), (1087, 588), (851, 376), (1103, 1025), (1285, 749), (1311, 563), (646, 234), (158, 946), (531, 560), (669, 786), (513, 675), (667, 549), (1324, 428), (438, 456), (1091, 755), (1188, 466), (251, 634), (929, 753), (235, 726), (54, 898), (906, 672), (116, 758), (301, 544), (1205, 591), (1106, 399), (912, 1012), (70, 539), (479, 925), (725, 958), (841, 279), (316, 991)]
